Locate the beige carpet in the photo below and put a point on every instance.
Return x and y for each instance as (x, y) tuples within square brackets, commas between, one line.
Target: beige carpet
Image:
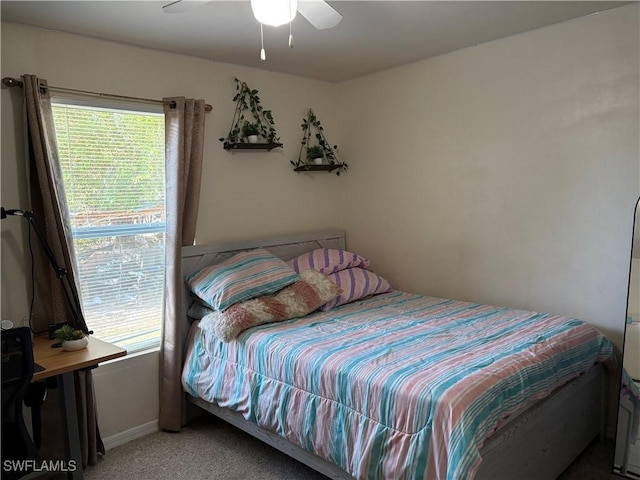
[(212, 449)]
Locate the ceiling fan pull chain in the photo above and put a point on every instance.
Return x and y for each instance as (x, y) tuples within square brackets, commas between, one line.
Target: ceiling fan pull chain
[(263, 55), (290, 28)]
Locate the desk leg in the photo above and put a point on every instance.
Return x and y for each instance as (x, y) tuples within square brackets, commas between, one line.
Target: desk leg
[(68, 399)]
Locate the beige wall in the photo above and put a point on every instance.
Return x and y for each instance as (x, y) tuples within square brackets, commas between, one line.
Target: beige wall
[(504, 173), (127, 396)]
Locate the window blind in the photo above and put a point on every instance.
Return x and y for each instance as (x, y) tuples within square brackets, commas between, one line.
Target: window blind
[(112, 162)]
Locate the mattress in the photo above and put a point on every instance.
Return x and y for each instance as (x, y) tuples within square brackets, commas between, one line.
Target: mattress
[(395, 386)]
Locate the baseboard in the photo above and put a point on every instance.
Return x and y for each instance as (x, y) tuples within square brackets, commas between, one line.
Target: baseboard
[(129, 435)]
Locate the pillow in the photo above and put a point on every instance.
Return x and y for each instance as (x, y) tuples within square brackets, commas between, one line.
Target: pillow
[(327, 260), (197, 310), (306, 295), (356, 283), (241, 277)]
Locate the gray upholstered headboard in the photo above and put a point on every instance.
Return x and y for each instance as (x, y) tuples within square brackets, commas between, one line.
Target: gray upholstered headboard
[(284, 246)]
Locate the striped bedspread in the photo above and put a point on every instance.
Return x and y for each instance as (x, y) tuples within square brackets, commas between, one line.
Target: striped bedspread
[(398, 386)]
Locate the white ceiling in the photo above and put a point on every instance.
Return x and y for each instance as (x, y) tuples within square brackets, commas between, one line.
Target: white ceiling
[(373, 35)]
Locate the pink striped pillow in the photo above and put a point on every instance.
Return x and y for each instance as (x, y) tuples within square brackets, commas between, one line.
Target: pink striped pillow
[(356, 283), (327, 260)]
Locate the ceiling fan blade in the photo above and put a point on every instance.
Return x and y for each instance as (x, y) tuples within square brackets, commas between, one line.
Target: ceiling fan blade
[(319, 13), (179, 6)]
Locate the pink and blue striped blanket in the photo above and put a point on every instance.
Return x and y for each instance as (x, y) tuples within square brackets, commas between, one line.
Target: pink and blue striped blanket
[(398, 386)]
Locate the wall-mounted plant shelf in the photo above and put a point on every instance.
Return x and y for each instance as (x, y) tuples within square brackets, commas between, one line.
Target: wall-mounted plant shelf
[(251, 121), (251, 146), (320, 150), (316, 168)]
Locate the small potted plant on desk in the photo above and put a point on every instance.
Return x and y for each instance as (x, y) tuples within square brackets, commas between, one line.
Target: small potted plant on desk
[(250, 132), (315, 154), (71, 339)]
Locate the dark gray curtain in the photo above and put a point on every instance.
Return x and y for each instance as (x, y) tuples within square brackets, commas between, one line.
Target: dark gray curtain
[(52, 303), (184, 143)]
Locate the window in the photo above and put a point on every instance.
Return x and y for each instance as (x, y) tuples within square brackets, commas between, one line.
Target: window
[(112, 163)]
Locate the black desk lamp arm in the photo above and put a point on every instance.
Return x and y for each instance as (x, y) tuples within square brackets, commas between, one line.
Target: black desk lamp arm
[(61, 272)]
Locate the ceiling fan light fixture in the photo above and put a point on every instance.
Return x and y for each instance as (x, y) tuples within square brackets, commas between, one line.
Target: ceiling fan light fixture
[(274, 12)]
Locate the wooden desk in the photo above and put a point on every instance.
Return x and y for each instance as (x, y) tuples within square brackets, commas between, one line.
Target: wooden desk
[(57, 362)]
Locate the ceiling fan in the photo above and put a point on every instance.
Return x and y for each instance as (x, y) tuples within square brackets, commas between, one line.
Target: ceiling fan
[(275, 13), (318, 12)]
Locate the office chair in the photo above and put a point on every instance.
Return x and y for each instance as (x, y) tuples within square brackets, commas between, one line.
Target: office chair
[(17, 372)]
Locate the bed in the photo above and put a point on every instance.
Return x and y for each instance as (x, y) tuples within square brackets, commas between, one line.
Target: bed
[(380, 423)]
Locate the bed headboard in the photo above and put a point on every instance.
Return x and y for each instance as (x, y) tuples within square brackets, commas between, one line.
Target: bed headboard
[(284, 246)]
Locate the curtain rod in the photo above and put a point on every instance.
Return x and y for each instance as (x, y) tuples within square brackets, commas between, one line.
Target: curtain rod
[(12, 82)]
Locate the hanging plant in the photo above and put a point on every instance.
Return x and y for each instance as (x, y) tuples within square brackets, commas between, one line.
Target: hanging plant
[(250, 118), (312, 144)]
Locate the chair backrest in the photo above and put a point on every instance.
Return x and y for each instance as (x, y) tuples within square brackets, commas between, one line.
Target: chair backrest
[(17, 373), (17, 363)]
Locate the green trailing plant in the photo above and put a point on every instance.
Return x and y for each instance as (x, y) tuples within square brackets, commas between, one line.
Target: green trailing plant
[(67, 332), (308, 125), (249, 111), (315, 151)]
